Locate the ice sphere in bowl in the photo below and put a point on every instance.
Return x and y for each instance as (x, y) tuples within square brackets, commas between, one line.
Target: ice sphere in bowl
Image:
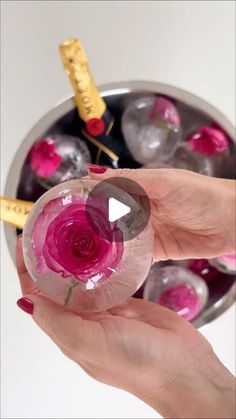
[(73, 264), (58, 158), (225, 263), (186, 159), (176, 288), (211, 146), (151, 128)]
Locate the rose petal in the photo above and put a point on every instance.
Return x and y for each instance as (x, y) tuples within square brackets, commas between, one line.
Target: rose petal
[(209, 141), (181, 298), (166, 110), (67, 244), (44, 159)]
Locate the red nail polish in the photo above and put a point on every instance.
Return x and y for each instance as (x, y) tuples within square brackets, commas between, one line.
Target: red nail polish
[(95, 168), (26, 305)]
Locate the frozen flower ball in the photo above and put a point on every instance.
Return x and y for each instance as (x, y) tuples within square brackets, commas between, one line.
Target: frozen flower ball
[(58, 158), (208, 141), (176, 288), (71, 262), (151, 127)]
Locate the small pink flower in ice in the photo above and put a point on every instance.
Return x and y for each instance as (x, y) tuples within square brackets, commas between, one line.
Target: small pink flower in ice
[(183, 299), (228, 261), (209, 141), (44, 159), (166, 111), (64, 242)]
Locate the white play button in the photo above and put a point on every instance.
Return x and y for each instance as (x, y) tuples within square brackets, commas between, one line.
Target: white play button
[(124, 215), (116, 209)]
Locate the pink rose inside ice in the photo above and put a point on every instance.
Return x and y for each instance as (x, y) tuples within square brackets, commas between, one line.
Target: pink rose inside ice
[(44, 158), (208, 141), (183, 299), (64, 242), (164, 110)]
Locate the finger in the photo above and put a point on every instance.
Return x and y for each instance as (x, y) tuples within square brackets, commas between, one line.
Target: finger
[(69, 331), (28, 286), (143, 177)]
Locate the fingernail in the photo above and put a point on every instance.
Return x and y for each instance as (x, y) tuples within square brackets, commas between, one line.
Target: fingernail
[(95, 168), (19, 236), (26, 305)]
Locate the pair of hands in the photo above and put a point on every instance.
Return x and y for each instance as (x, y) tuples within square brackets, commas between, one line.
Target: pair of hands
[(142, 347)]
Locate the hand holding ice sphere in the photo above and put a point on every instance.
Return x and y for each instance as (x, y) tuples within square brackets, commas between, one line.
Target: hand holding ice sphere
[(58, 158), (134, 323), (152, 128), (54, 239)]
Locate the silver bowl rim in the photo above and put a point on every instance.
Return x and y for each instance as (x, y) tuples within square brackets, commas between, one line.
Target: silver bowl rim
[(113, 89)]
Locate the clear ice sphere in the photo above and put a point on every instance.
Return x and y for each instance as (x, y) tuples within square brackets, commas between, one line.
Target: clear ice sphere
[(58, 158), (186, 159), (177, 288), (73, 265), (151, 128)]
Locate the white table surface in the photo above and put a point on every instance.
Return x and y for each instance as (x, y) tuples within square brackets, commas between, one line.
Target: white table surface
[(187, 44)]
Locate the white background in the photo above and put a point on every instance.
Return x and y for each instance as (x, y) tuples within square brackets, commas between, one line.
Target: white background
[(188, 44)]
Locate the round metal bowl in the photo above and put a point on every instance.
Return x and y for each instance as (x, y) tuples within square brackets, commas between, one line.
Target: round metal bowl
[(118, 95)]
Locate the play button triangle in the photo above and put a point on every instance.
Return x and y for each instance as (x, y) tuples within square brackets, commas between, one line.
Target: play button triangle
[(129, 210), (117, 209)]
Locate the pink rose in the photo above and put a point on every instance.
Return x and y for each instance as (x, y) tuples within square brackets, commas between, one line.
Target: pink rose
[(208, 141), (183, 299), (166, 111), (64, 242), (44, 159)]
